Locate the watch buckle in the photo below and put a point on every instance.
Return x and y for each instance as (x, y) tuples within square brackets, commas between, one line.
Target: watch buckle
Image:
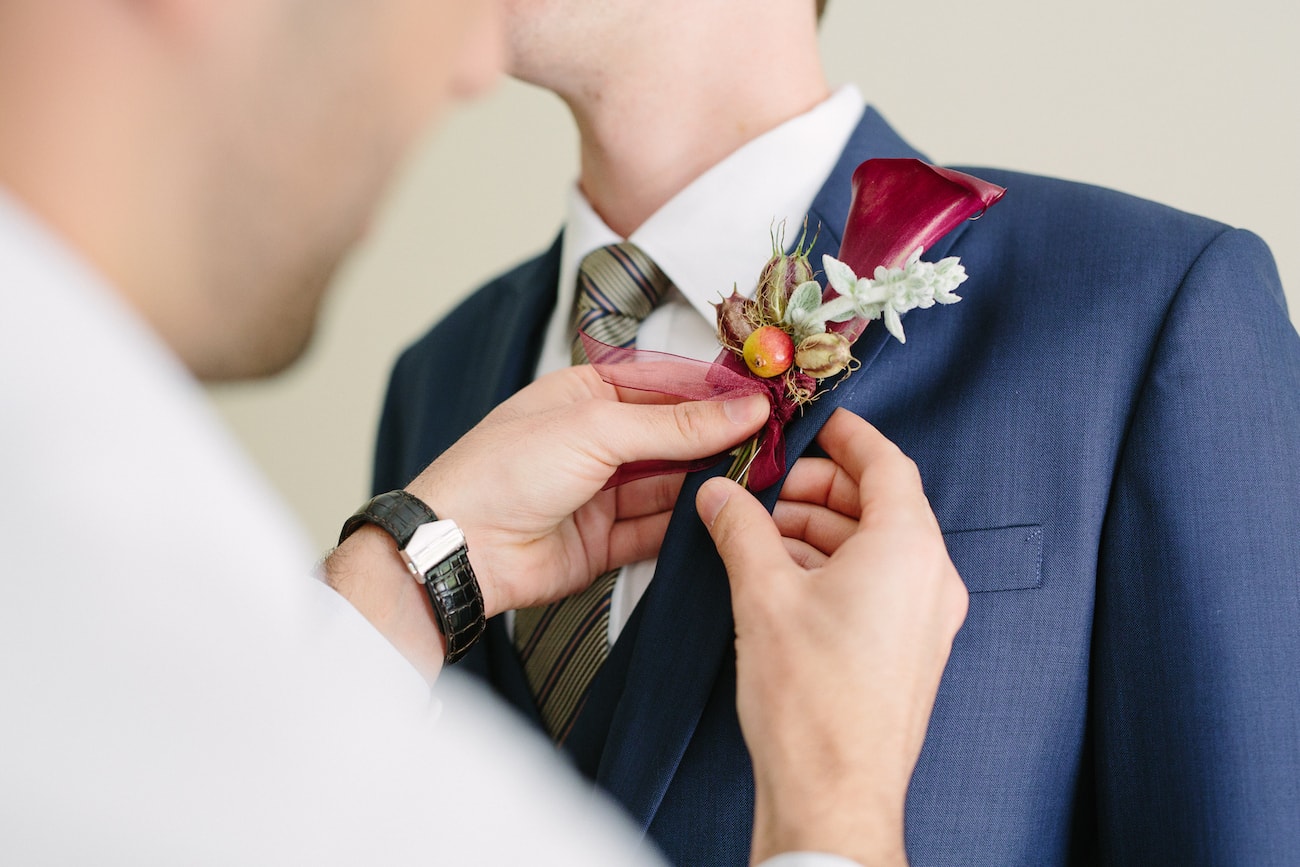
[(430, 545)]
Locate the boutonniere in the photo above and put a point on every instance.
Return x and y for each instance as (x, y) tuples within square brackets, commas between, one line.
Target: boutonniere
[(795, 335)]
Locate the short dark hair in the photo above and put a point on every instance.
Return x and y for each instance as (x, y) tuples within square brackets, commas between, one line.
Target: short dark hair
[(821, 9)]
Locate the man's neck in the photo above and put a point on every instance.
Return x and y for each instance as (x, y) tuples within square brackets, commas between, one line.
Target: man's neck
[(647, 133)]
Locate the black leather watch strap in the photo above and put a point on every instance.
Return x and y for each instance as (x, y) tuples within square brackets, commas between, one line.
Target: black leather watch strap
[(457, 603), (450, 584), (397, 512)]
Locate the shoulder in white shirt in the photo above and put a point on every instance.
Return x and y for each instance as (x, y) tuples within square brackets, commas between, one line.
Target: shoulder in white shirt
[(177, 688)]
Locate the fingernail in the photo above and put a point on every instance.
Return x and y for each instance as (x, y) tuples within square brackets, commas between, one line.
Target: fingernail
[(713, 495), (746, 410)]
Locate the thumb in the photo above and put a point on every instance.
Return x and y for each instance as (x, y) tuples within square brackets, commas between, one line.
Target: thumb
[(683, 431), (745, 534)]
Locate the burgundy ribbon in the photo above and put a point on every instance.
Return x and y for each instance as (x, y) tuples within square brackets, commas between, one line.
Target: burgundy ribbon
[(689, 379)]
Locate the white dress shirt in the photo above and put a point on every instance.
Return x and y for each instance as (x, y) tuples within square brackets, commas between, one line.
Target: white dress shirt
[(712, 236), (176, 688)]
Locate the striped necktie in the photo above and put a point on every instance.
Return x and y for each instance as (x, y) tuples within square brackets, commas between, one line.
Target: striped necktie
[(618, 286), (563, 645)]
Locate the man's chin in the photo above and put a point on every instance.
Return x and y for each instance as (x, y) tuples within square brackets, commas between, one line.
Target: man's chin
[(252, 363), (263, 349)]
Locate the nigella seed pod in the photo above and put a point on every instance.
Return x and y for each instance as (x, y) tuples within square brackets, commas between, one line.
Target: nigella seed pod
[(823, 355), (735, 321), (782, 274)]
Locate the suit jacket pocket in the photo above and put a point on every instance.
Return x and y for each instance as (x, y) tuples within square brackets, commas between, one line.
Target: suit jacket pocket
[(999, 558)]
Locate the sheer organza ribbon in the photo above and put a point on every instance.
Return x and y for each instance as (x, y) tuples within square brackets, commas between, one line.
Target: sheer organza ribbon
[(689, 379), (897, 206)]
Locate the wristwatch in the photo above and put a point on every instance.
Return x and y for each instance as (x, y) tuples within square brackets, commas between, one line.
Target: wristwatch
[(435, 554)]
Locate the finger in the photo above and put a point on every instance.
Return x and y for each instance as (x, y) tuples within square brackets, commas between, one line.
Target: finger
[(642, 396), (744, 533), (822, 528), (824, 482), (637, 539), (884, 474), (650, 395), (648, 496), (582, 381), (805, 555), (622, 433), (566, 386)]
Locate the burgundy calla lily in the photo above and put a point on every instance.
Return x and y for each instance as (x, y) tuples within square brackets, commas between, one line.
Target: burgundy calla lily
[(901, 204)]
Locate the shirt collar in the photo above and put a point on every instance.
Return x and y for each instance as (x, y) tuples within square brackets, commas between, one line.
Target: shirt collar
[(716, 233)]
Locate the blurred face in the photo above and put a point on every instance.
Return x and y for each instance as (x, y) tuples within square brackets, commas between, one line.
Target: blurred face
[(311, 106)]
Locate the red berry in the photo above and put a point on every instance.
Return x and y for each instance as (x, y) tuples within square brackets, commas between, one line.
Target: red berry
[(769, 351)]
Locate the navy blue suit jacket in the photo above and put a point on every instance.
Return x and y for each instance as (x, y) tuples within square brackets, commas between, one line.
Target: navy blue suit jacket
[(1108, 427)]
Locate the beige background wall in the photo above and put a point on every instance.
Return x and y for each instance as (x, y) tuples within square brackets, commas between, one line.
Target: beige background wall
[(1195, 104)]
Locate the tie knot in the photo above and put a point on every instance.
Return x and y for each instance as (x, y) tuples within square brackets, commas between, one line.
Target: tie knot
[(618, 286)]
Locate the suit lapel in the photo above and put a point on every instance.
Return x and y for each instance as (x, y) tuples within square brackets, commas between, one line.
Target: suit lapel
[(686, 631), (872, 139), (520, 327), (876, 139), (684, 634)]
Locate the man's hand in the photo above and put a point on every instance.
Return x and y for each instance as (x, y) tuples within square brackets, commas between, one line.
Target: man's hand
[(525, 487), (525, 484), (837, 666), (818, 509)]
